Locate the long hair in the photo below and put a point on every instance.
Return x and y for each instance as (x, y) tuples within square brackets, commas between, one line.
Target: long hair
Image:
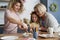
[(31, 21), (12, 3)]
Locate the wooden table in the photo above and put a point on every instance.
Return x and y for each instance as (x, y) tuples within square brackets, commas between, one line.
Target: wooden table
[(39, 38)]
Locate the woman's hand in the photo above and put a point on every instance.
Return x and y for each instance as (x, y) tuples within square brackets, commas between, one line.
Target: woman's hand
[(23, 27)]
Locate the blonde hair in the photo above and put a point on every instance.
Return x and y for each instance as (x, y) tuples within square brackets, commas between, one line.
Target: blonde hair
[(40, 7), (12, 3)]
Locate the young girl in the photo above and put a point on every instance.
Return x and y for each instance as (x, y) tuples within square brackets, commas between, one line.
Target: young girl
[(34, 21), (12, 20)]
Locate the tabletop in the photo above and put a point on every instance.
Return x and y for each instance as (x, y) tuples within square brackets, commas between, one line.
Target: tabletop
[(20, 36)]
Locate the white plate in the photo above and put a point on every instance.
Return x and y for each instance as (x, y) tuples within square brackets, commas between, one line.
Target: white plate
[(9, 37), (59, 34), (46, 35), (25, 34), (31, 39)]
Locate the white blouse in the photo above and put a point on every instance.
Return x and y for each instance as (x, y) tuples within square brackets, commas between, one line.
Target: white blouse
[(10, 27), (52, 22)]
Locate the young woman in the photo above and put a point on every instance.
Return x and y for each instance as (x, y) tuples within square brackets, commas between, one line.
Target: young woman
[(12, 20), (46, 19), (34, 21)]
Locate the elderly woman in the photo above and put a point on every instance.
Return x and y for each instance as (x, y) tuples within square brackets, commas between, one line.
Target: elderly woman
[(46, 19)]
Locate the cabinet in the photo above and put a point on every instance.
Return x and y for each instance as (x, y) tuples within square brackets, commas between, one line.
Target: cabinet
[(4, 0), (4, 4)]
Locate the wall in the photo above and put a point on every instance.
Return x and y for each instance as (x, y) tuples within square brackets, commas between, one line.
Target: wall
[(56, 14), (28, 5)]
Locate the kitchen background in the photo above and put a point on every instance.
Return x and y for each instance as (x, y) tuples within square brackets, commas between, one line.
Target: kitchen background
[(28, 7)]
